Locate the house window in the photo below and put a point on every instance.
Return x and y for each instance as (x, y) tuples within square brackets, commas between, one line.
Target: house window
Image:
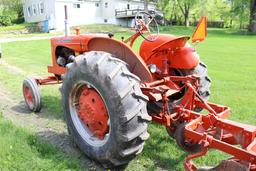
[(29, 11), (38, 8), (76, 5), (106, 4), (97, 4), (41, 8), (34, 10)]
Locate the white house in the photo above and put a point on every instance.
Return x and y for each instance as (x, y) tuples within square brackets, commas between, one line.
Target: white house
[(51, 12)]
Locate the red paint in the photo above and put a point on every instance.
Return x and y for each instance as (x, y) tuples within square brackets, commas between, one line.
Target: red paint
[(93, 112), (236, 139), (176, 49), (28, 96)]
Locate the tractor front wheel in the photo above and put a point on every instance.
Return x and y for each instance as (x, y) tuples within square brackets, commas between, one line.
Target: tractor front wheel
[(31, 95), (105, 109)]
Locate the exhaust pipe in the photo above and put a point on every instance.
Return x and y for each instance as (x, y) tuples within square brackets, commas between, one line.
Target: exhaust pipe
[(67, 31)]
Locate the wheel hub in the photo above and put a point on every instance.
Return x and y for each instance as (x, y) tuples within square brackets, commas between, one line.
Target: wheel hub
[(92, 112), (28, 96)]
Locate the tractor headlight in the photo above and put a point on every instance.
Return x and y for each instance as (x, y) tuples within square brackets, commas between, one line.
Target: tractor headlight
[(152, 68)]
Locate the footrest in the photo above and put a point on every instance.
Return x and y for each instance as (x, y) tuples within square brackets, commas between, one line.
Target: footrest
[(156, 96)]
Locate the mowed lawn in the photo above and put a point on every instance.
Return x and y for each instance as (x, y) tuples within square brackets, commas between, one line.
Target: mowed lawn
[(231, 61), (21, 150)]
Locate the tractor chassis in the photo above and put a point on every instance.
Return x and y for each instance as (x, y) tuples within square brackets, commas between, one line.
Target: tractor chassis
[(210, 131)]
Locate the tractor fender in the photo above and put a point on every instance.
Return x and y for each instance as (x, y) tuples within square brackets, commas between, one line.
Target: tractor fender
[(184, 58), (183, 55), (120, 50), (101, 42)]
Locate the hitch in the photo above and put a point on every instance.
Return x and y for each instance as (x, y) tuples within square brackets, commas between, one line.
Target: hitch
[(209, 131)]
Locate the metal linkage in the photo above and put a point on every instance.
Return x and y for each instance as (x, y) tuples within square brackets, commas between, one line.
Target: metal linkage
[(211, 131), (223, 135), (49, 80)]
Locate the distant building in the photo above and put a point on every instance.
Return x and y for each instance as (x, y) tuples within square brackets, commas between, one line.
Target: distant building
[(51, 12)]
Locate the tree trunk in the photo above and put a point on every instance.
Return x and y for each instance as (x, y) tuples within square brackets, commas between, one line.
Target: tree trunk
[(186, 16), (146, 5), (185, 11), (252, 26)]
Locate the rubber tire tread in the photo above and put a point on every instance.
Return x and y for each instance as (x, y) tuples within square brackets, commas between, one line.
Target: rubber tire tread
[(204, 80), (31, 83), (122, 95)]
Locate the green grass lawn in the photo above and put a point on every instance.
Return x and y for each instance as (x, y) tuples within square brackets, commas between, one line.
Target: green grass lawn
[(21, 150), (231, 60), (16, 27)]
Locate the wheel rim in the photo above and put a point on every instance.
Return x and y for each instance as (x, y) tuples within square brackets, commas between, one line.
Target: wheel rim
[(89, 114), (28, 94)]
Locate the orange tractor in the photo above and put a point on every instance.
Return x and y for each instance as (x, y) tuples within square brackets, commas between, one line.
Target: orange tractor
[(110, 94)]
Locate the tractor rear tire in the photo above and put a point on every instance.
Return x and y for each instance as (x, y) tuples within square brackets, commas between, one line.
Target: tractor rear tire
[(32, 95), (204, 80), (204, 86), (126, 105)]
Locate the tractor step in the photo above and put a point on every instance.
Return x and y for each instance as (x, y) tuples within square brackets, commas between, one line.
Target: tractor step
[(156, 96)]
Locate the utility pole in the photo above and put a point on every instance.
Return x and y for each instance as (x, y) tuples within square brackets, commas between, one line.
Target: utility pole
[(67, 30), (146, 5)]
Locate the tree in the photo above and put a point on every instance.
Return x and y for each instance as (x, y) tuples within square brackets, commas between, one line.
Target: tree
[(252, 25), (13, 8), (239, 13), (170, 9), (185, 7)]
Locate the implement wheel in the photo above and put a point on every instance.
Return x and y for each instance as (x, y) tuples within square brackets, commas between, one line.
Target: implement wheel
[(31, 95), (190, 147), (105, 109)]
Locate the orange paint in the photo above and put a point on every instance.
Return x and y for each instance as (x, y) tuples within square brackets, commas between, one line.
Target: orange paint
[(201, 31), (93, 112), (176, 49)]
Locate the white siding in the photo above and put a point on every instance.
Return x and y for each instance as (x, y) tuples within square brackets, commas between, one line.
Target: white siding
[(48, 6), (88, 13)]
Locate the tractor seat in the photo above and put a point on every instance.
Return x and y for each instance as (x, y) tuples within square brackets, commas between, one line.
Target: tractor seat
[(163, 42)]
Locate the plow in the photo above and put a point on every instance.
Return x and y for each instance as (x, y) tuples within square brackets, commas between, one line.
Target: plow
[(110, 94)]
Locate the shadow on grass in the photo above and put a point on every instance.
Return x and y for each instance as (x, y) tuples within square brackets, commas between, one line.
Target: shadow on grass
[(51, 105), (156, 147), (63, 142), (42, 141), (163, 150), (28, 151), (21, 108), (51, 108)]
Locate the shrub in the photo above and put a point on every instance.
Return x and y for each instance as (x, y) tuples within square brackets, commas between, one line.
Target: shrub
[(18, 20), (5, 20)]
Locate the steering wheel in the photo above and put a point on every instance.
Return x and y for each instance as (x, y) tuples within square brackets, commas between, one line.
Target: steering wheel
[(146, 23)]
